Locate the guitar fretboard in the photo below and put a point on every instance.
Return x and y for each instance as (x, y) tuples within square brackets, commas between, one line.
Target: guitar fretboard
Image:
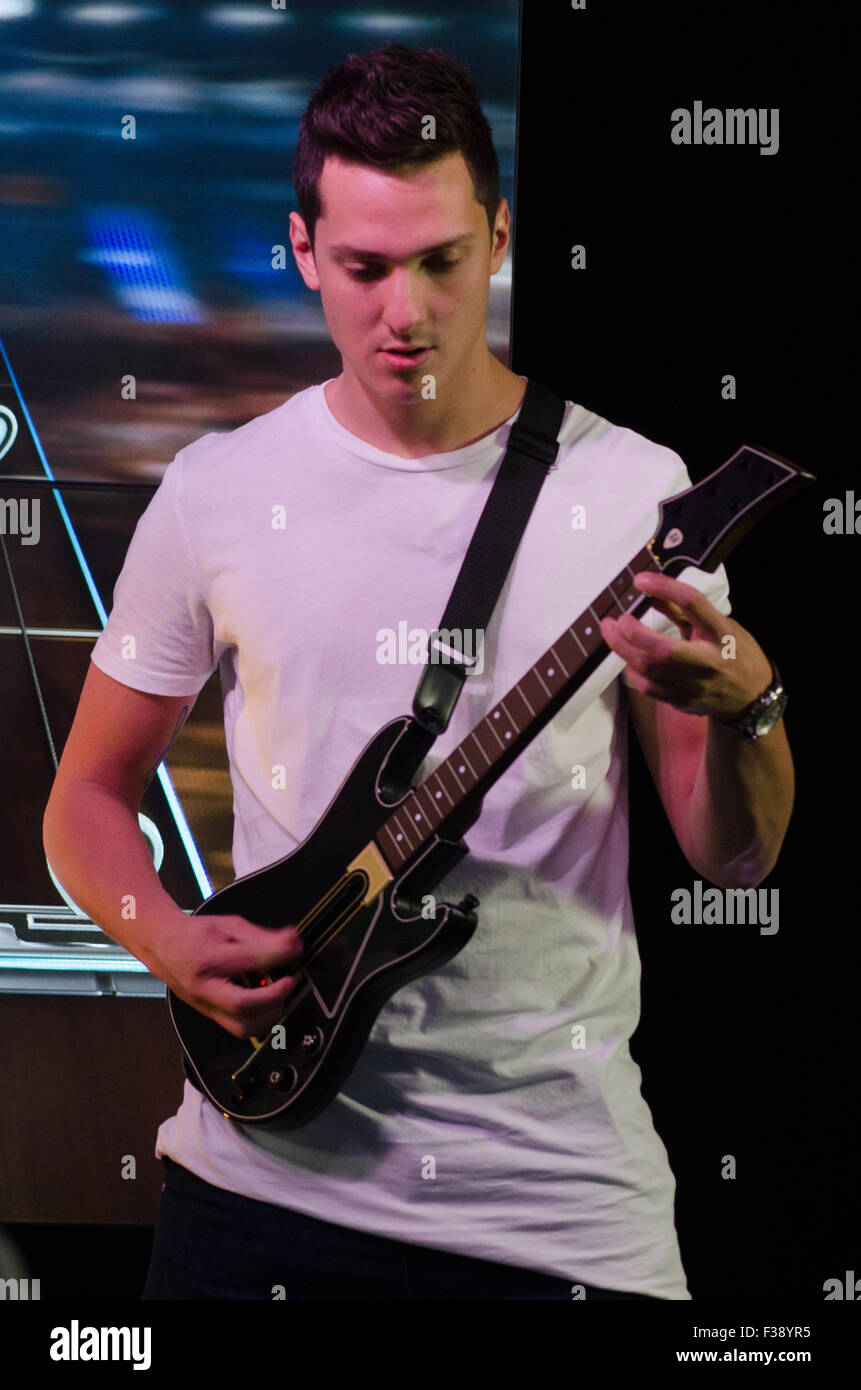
[(502, 735)]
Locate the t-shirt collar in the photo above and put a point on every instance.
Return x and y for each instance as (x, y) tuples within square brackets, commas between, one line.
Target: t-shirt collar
[(427, 463)]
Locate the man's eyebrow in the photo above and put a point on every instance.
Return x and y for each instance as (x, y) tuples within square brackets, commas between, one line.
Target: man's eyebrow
[(340, 249)]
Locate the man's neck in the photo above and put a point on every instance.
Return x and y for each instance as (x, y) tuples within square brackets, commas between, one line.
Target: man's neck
[(426, 427)]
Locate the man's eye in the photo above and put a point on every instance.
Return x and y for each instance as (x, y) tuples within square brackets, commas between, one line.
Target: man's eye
[(371, 272)]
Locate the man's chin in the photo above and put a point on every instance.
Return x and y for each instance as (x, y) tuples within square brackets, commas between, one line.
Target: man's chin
[(399, 385)]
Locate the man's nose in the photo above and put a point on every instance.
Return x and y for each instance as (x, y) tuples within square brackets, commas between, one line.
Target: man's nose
[(404, 303)]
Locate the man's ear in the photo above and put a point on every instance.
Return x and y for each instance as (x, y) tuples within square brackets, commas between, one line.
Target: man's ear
[(301, 243), (501, 236)]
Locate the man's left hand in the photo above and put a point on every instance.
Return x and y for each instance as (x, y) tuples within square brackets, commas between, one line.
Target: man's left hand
[(695, 673)]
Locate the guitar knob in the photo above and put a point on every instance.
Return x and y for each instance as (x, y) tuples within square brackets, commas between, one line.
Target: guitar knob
[(283, 1078), (312, 1041), (469, 902)]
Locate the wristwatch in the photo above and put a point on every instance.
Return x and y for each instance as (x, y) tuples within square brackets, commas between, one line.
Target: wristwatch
[(761, 715)]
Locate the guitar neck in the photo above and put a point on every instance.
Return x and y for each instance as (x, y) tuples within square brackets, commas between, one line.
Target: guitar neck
[(470, 771)]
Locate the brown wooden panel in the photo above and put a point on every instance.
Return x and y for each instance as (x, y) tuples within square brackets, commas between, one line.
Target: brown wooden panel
[(85, 1082)]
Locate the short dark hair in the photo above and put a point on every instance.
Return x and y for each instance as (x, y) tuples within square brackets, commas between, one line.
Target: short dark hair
[(370, 109)]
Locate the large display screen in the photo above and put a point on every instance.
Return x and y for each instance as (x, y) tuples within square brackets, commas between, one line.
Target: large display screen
[(149, 295)]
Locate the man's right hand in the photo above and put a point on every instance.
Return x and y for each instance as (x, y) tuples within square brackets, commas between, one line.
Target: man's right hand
[(201, 959)]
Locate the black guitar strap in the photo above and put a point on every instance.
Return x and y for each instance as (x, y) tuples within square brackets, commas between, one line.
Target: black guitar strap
[(531, 453)]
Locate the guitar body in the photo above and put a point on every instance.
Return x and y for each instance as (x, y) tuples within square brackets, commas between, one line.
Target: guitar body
[(371, 948)]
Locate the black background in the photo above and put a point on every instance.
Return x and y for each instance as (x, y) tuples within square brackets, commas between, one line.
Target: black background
[(702, 261)]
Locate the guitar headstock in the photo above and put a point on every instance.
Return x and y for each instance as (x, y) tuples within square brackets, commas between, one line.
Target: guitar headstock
[(703, 524)]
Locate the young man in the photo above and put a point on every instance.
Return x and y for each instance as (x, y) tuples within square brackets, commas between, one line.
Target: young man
[(492, 1140)]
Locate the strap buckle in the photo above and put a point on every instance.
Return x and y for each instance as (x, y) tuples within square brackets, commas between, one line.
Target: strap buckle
[(537, 446), (442, 681)]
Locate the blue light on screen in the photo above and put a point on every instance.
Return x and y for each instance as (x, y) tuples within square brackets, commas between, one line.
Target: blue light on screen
[(144, 273)]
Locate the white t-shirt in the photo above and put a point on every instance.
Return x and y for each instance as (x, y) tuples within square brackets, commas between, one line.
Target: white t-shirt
[(478, 1119)]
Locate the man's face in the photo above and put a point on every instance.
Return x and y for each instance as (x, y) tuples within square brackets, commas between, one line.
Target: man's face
[(405, 293)]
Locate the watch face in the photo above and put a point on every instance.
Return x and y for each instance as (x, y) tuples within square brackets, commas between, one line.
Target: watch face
[(770, 716)]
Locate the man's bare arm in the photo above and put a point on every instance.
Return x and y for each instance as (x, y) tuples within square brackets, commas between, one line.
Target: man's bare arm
[(729, 799), (96, 848)]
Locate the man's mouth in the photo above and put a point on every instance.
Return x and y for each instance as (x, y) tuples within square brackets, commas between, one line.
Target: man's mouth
[(405, 357)]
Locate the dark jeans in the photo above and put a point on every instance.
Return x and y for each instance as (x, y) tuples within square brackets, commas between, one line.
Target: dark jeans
[(210, 1243)]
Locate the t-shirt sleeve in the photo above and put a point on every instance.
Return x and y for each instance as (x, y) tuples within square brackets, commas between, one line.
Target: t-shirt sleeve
[(714, 584), (159, 633)]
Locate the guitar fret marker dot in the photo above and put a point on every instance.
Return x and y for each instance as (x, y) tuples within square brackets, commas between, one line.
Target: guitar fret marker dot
[(399, 837), (551, 671), (461, 768)]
